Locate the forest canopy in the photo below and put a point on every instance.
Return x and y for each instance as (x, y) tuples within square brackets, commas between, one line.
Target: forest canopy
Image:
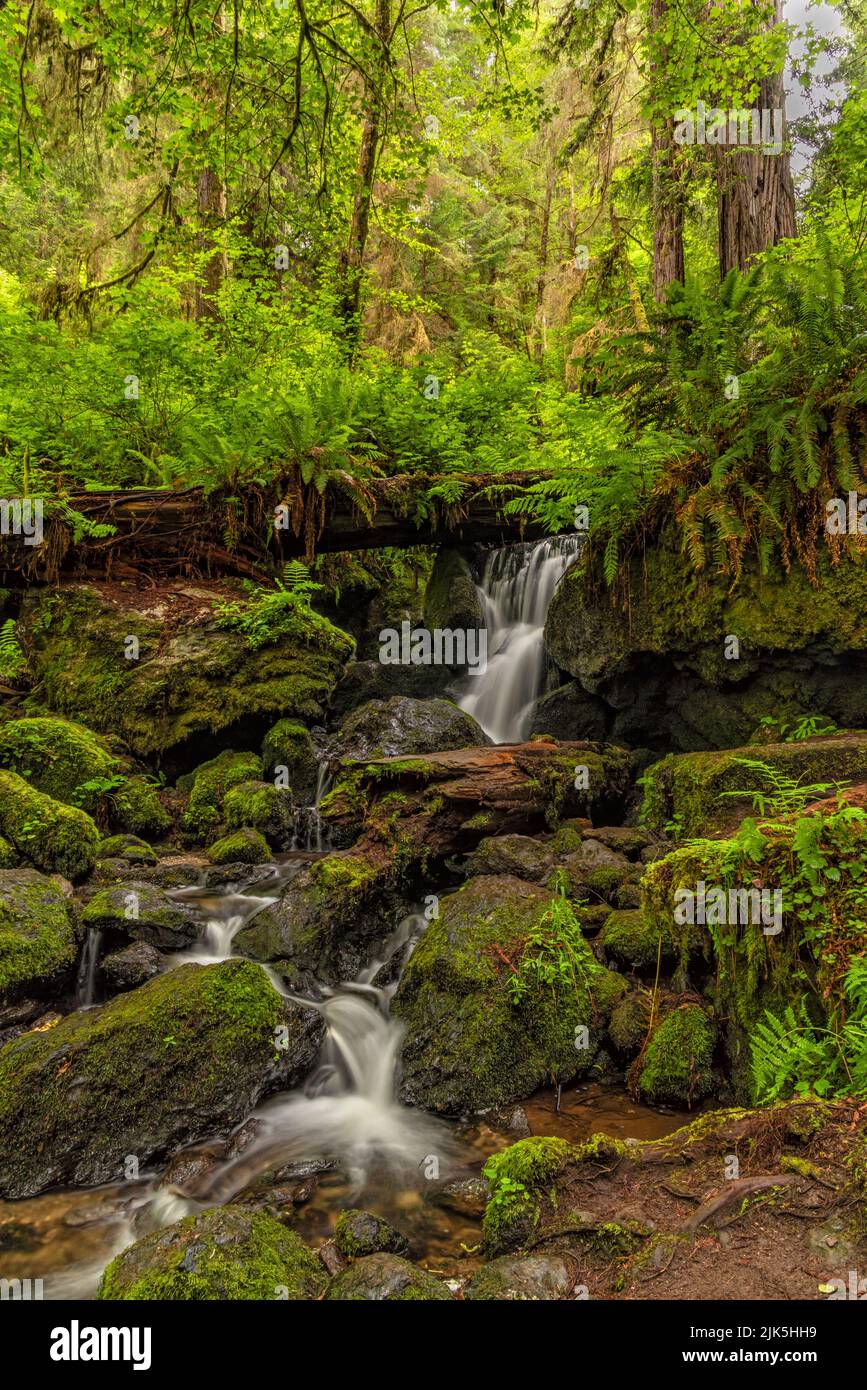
[(374, 238)]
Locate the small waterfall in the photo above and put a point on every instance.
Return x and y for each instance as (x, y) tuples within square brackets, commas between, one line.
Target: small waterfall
[(308, 834), (349, 1107), (85, 982), (228, 910), (516, 589)]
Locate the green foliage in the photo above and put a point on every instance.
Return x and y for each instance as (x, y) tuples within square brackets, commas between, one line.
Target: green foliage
[(793, 1055), (555, 955), (13, 662), (782, 794)]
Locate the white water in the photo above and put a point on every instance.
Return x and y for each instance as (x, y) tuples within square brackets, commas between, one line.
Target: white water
[(516, 589), (85, 983)]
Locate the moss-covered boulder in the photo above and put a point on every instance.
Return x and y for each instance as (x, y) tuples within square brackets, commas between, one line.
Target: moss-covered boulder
[(677, 1064), (51, 836), (136, 808), (331, 917), (288, 745), (635, 943), (385, 1279), (37, 935), (138, 911), (471, 1040), (692, 792), (400, 726), (659, 659), (194, 679), (129, 848), (452, 599), (244, 846), (265, 807), (131, 966), (630, 1020), (227, 1253), (516, 1176), (358, 1233), (9, 859), (208, 786), (185, 1055)]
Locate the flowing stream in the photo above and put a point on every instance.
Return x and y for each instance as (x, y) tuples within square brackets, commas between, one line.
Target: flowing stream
[(517, 586)]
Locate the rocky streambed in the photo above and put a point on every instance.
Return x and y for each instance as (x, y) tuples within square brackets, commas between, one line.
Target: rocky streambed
[(310, 989)]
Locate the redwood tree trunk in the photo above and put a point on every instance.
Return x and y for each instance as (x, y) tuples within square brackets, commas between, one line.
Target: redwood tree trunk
[(755, 192), (211, 208), (668, 190)]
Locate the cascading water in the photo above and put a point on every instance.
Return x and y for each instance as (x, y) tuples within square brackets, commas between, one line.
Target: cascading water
[(85, 983), (516, 589)]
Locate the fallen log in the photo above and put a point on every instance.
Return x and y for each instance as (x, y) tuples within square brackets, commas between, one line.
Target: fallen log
[(184, 531)]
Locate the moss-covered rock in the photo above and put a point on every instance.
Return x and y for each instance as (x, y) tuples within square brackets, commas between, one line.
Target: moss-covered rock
[(385, 1279), (227, 1253), (37, 935), (629, 1022), (8, 856), (244, 846), (136, 808), (141, 911), (631, 941), (288, 745), (468, 1044), (132, 966), (129, 848), (517, 1175), (692, 791), (677, 1063), (53, 837), (330, 918), (198, 679), (185, 1055), (263, 806), (209, 784), (358, 1233), (400, 726), (60, 758), (658, 660)]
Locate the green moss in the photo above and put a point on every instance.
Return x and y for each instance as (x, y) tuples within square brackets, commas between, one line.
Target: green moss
[(37, 939), (677, 1063), (209, 784), (358, 1233), (289, 745), (228, 1254), (128, 847), (8, 856), (637, 942), (263, 806), (186, 1053), (791, 1163), (386, 1278), (51, 836), (60, 758), (137, 809), (244, 846), (516, 1177)]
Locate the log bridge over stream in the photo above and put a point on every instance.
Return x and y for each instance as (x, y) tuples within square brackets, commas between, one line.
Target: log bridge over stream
[(254, 531)]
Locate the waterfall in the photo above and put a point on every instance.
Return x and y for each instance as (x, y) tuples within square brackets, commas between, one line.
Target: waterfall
[(349, 1108), (85, 983), (517, 586), (308, 834)]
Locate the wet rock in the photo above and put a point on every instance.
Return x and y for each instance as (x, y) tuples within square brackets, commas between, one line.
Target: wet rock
[(371, 680), (37, 936), (451, 598), (677, 1063), (184, 1056), (267, 809), (519, 855), (523, 1278), (571, 712), (466, 1196), (133, 966), (143, 912), (385, 1278), (227, 1253), (359, 1233), (289, 745), (401, 726)]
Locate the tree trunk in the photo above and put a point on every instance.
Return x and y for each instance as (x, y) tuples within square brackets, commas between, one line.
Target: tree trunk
[(211, 208), (352, 260), (539, 343), (755, 192), (668, 188)]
